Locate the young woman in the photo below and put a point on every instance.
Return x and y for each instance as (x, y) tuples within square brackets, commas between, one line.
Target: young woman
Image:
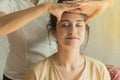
[(68, 63)]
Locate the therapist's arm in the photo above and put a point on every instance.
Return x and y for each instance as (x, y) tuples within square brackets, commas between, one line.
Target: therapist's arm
[(14, 21), (92, 8)]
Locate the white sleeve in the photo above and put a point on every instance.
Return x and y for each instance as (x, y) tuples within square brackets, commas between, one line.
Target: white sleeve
[(6, 6)]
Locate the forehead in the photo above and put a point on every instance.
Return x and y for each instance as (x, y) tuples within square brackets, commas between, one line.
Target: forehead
[(72, 16)]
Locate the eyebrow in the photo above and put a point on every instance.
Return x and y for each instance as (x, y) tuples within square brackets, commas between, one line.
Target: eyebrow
[(69, 21), (64, 20), (80, 20)]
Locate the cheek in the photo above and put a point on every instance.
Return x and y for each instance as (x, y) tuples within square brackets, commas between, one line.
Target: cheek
[(60, 34), (82, 34)]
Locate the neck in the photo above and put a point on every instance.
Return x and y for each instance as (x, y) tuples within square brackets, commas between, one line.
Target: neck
[(68, 57)]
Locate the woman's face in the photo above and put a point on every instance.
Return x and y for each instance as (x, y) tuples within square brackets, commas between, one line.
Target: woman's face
[(70, 31)]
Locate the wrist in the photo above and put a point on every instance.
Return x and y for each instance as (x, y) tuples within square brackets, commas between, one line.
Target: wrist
[(50, 7), (45, 6)]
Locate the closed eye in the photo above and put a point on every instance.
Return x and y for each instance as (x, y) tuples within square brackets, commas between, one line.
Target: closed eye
[(79, 25), (65, 24)]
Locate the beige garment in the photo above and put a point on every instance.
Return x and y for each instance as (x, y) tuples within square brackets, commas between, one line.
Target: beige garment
[(46, 70)]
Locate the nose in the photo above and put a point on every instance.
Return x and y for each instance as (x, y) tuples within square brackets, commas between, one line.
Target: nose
[(72, 30)]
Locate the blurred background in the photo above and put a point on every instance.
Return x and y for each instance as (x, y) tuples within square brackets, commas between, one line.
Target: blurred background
[(104, 38)]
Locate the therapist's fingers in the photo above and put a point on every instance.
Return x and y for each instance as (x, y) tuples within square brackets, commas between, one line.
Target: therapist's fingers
[(59, 8)]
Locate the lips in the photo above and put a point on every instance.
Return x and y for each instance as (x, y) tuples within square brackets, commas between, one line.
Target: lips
[(72, 38)]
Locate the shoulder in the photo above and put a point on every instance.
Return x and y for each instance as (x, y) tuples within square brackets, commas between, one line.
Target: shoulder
[(43, 62), (97, 68), (40, 70), (42, 65), (95, 63)]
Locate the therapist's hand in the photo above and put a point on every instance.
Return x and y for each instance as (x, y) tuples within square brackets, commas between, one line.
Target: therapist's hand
[(57, 9), (91, 8)]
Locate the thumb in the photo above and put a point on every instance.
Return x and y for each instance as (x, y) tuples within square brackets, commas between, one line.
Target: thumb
[(87, 20), (59, 16), (58, 19)]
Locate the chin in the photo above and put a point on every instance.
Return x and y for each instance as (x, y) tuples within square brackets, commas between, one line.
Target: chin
[(73, 45)]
